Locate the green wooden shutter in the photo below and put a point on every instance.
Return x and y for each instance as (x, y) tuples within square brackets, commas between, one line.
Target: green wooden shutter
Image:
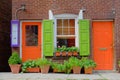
[(84, 37), (48, 38)]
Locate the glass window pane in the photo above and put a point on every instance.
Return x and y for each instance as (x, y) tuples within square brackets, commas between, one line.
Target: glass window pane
[(31, 35), (65, 31), (72, 31), (72, 23), (66, 42), (59, 31), (59, 23), (65, 23)]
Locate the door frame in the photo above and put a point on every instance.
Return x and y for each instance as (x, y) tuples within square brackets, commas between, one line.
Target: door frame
[(114, 55), (21, 35)]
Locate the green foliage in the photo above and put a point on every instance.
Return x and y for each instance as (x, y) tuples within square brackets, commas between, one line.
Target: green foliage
[(42, 62), (14, 59), (88, 62), (29, 64), (58, 66), (69, 49), (74, 49), (75, 62), (119, 62), (66, 49), (57, 50), (63, 49), (67, 67)]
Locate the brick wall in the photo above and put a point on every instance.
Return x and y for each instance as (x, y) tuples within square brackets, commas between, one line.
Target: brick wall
[(94, 10), (117, 30), (38, 9), (5, 17)]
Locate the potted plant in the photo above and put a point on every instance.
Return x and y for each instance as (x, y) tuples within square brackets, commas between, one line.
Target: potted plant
[(88, 65), (67, 67), (119, 63), (69, 49), (44, 65), (76, 64), (15, 62), (63, 50), (75, 51), (30, 66), (57, 67), (57, 52)]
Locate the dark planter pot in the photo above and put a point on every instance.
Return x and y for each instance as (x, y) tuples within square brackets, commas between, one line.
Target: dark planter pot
[(15, 68), (88, 70), (76, 70), (45, 69), (33, 70)]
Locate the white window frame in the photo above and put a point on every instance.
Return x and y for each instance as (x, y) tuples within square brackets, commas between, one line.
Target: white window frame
[(67, 16)]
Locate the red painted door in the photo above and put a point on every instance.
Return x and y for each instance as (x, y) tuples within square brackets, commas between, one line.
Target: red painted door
[(31, 40), (102, 44)]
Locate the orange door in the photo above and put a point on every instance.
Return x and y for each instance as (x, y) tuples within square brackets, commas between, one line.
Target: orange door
[(102, 44), (31, 40)]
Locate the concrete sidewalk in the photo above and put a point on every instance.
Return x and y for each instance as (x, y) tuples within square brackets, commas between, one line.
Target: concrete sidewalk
[(59, 76)]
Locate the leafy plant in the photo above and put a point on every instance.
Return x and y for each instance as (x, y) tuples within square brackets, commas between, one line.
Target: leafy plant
[(29, 64), (57, 49), (63, 49), (119, 62), (67, 67), (74, 49), (88, 62), (42, 62), (75, 62), (14, 59), (57, 66)]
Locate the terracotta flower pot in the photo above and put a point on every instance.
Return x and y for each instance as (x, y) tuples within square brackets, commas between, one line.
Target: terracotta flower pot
[(69, 54), (64, 54), (36, 69), (57, 54), (45, 69), (75, 54), (76, 70), (15, 68), (55, 70), (88, 70)]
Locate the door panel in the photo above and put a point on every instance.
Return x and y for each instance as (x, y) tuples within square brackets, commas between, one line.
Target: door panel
[(31, 40), (102, 44)]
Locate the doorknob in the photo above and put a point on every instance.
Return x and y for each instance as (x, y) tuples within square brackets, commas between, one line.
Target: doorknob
[(102, 49)]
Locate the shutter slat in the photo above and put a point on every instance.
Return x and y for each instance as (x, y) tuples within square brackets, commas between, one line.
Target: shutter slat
[(84, 37), (48, 43)]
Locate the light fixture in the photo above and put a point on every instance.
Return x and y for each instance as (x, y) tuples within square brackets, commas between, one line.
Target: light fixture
[(23, 8)]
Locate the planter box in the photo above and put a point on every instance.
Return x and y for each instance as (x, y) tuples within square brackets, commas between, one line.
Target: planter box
[(76, 70), (15, 68), (88, 70), (33, 70)]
